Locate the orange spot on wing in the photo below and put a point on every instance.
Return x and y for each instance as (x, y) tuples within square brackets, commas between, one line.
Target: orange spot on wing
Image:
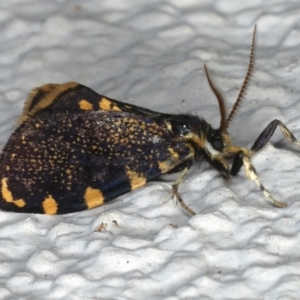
[(106, 104), (136, 180), (163, 166), (50, 206), (93, 197), (170, 162), (7, 195), (85, 105)]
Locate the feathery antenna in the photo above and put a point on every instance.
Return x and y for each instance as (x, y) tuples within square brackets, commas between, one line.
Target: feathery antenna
[(246, 80), (220, 98)]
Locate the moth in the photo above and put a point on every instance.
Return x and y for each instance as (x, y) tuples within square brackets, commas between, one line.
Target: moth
[(75, 149)]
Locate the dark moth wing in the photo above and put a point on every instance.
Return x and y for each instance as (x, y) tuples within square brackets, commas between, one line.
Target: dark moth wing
[(65, 161), (72, 96)]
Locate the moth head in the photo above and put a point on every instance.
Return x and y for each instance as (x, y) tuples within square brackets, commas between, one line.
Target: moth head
[(215, 142), (217, 139), (197, 132)]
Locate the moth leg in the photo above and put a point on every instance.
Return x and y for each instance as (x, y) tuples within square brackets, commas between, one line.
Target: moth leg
[(267, 133), (237, 163), (263, 138), (252, 175), (175, 193)]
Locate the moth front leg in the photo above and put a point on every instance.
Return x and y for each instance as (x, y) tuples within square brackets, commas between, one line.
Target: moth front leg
[(252, 175), (260, 142), (237, 163), (268, 132), (241, 159)]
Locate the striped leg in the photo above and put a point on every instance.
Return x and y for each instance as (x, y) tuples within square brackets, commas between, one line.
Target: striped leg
[(175, 193), (252, 175), (267, 133), (263, 138)]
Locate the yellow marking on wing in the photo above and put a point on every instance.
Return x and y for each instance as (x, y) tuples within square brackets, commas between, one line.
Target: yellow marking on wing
[(106, 104), (164, 166), (50, 206), (170, 162), (7, 195), (174, 154), (136, 180), (173, 159), (93, 197), (50, 93), (85, 105)]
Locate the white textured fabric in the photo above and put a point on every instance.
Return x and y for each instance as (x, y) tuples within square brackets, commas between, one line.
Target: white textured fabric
[(151, 53)]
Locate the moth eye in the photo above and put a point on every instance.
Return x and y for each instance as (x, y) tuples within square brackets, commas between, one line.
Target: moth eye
[(215, 139), (218, 145)]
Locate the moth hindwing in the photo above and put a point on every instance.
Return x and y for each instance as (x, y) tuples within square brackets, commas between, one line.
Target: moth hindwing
[(75, 149)]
